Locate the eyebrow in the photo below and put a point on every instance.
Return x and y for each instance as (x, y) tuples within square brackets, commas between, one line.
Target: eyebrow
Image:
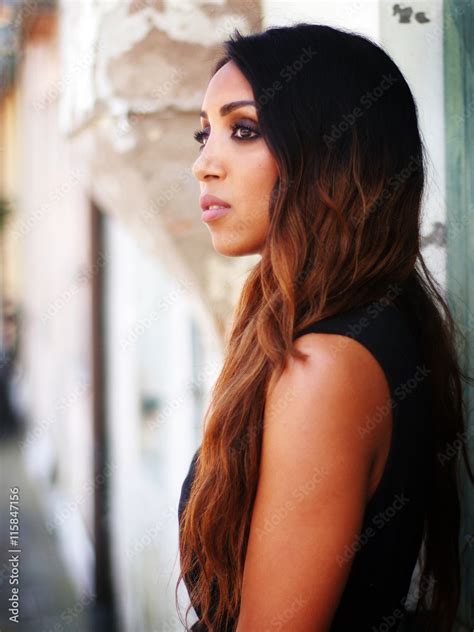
[(229, 107)]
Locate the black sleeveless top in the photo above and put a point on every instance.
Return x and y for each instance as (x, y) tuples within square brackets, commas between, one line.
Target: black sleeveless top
[(385, 553)]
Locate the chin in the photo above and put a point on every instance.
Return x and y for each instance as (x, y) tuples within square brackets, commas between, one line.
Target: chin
[(237, 248)]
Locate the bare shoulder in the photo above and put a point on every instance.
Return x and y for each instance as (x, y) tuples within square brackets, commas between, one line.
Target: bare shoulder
[(314, 481), (338, 390), (338, 369)]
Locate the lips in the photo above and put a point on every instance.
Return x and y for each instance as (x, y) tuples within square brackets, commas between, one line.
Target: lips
[(207, 200)]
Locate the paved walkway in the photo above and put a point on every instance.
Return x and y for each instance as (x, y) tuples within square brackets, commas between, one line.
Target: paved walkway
[(47, 599)]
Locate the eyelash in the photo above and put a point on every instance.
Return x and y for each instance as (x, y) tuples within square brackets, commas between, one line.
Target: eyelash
[(200, 134)]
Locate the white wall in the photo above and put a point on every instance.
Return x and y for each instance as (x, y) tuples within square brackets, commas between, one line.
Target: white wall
[(149, 353), (418, 50), (52, 233), (361, 16)]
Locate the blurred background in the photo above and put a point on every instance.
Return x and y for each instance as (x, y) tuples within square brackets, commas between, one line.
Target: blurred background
[(113, 303)]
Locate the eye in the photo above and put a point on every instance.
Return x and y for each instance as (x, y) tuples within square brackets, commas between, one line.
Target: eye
[(201, 134), (246, 129)]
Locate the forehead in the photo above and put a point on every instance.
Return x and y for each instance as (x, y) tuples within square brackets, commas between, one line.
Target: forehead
[(227, 84)]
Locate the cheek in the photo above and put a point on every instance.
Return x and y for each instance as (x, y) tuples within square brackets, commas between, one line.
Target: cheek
[(261, 175)]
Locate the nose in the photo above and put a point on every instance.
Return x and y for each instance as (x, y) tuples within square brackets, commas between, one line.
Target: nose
[(207, 165)]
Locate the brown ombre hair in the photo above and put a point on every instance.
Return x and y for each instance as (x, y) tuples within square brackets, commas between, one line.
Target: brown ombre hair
[(345, 215)]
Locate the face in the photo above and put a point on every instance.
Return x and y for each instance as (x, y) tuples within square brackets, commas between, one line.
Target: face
[(234, 164)]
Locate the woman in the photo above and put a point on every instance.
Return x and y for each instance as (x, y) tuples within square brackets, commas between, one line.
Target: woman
[(320, 479)]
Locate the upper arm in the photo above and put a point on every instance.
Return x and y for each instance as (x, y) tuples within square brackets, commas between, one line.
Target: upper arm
[(313, 486)]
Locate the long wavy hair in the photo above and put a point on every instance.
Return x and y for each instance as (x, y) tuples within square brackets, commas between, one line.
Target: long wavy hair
[(345, 214)]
